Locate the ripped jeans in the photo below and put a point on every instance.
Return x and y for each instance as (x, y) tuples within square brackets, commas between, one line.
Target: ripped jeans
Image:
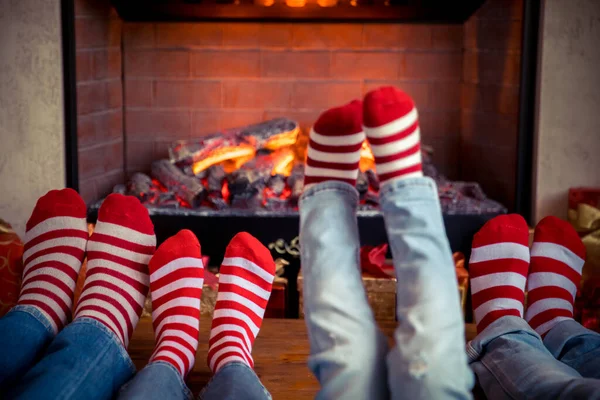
[(349, 355)]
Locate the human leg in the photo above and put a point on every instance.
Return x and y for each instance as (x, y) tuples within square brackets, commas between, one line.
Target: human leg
[(88, 358), (55, 243), (347, 349), (428, 359)]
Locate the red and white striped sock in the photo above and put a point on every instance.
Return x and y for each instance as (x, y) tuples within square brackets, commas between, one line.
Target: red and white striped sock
[(557, 258), (391, 123), (245, 282), (334, 146), (498, 269), (116, 283), (176, 279), (55, 243)]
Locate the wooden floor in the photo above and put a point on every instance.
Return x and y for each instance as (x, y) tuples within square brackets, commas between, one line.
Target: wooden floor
[(280, 353)]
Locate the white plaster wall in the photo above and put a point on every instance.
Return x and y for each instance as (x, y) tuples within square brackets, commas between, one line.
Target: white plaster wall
[(568, 126), (31, 106)]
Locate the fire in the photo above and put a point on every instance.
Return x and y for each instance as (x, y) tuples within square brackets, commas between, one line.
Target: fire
[(244, 152)]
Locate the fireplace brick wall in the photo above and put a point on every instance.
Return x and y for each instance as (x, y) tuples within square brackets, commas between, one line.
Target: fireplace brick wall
[(184, 80), (99, 98), (490, 97)]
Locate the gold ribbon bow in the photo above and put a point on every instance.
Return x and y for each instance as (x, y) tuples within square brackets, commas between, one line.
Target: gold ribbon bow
[(586, 221)]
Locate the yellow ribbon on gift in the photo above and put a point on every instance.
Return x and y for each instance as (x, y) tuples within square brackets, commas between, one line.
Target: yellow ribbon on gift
[(586, 221)]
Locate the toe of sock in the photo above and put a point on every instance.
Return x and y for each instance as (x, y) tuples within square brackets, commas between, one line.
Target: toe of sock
[(556, 230), (247, 246), (65, 202), (338, 121), (384, 105), (503, 228), (126, 211), (183, 244)]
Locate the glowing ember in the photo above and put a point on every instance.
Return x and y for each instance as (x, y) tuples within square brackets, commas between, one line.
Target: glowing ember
[(224, 154)]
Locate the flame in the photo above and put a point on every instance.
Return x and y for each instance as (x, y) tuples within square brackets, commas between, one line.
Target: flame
[(282, 140), (283, 162), (224, 154), (367, 159)]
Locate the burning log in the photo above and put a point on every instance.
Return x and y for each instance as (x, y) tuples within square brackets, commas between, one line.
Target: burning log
[(140, 185), (362, 183), (183, 186), (277, 184), (215, 176), (296, 183)]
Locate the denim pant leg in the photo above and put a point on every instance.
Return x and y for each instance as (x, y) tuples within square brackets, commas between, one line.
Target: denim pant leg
[(511, 362), (347, 349), (24, 335), (84, 361), (576, 346), (160, 381), (235, 381), (429, 359)]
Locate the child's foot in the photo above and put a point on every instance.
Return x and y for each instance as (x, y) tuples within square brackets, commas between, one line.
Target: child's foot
[(498, 269), (55, 244), (334, 147), (118, 252), (245, 282), (391, 124), (557, 258), (176, 278)]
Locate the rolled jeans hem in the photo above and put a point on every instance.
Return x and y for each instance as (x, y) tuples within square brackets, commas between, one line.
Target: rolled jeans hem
[(37, 314)]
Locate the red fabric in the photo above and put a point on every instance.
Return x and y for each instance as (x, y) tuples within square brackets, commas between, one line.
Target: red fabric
[(11, 268), (372, 260), (384, 105)]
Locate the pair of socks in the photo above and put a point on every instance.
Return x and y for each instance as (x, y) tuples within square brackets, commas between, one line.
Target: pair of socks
[(122, 266), (502, 266), (176, 277), (56, 242), (387, 117)]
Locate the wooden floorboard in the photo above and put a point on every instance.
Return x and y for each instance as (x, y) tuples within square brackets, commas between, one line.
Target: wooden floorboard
[(280, 353)]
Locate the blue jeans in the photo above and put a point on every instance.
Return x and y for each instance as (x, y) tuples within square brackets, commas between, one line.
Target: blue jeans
[(85, 360), (161, 381), (511, 361), (349, 354)]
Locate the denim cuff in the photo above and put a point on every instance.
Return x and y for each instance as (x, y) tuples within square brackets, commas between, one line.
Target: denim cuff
[(235, 365), (37, 314), (187, 393), (502, 326), (111, 336), (331, 185), (560, 334), (416, 188)]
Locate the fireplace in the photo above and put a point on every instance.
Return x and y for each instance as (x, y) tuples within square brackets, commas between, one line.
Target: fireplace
[(149, 79)]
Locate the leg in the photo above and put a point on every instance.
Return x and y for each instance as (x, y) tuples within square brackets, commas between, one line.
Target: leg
[(88, 358), (176, 279), (428, 360), (235, 381), (346, 346), (54, 249), (511, 362)]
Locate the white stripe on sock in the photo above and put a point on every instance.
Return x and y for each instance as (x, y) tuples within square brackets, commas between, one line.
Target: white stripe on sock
[(228, 313), (188, 354), (182, 262), (49, 271), (345, 140), (125, 234), (56, 224), (498, 251), (341, 158), (182, 335), (394, 127), (228, 359), (70, 241), (58, 310), (178, 319), (67, 259), (135, 294), (220, 352), (235, 339), (118, 251), (233, 328), (112, 310), (183, 283), (497, 279), (559, 253), (230, 296), (41, 284), (176, 302), (497, 304), (104, 318), (173, 357), (542, 279), (550, 303), (96, 289), (244, 284), (400, 164), (137, 276), (397, 146), (330, 173), (249, 266), (546, 326)]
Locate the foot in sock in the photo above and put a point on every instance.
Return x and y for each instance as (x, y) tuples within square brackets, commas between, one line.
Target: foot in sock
[(334, 146), (245, 282), (498, 269), (118, 252), (176, 278), (557, 258), (391, 124), (55, 243)]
